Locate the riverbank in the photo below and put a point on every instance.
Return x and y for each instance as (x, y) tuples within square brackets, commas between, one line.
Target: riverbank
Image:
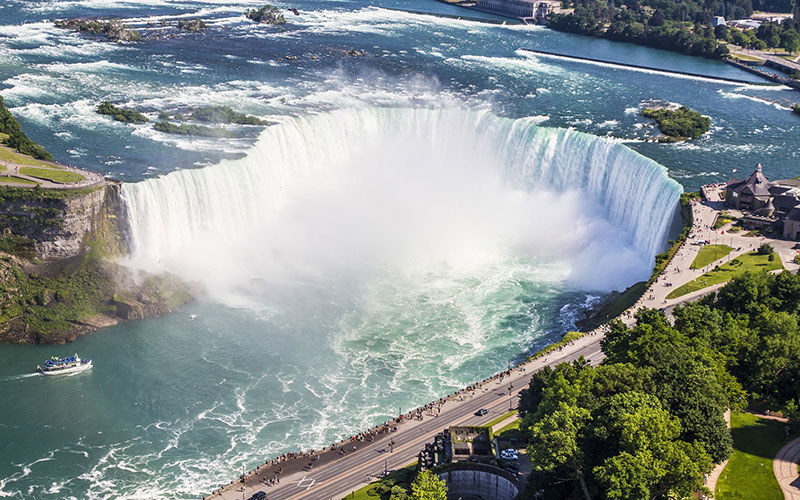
[(344, 466), (348, 464), (750, 68)]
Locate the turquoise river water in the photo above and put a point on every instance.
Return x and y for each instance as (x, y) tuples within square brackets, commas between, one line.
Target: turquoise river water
[(428, 204)]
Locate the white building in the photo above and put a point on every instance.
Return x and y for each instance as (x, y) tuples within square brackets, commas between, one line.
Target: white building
[(525, 9)]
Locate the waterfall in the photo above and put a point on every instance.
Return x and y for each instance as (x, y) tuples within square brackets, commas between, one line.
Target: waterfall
[(172, 216)]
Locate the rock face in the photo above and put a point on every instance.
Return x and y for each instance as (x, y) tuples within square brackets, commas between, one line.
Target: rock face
[(59, 275), (57, 223)]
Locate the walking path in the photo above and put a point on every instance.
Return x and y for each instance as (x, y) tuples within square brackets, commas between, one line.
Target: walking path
[(711, 480), (785, 468), (339, 469), (678, 271), (12, 169)]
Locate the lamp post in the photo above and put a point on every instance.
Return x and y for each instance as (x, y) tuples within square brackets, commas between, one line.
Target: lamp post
[(510, 399)]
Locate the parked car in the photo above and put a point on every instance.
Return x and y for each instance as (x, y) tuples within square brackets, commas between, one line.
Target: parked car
[(481, 412), (509, 455), (258, 495)]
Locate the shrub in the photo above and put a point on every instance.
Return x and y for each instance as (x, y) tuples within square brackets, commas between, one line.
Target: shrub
[(765, 249)]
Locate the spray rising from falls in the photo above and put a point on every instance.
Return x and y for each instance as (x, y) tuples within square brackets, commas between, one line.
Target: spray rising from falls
[(350, 192)]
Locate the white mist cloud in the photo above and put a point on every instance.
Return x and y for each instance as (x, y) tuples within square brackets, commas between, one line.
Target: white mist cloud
[(345, 205)]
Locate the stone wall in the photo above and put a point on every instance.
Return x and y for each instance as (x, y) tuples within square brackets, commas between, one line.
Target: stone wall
[(477, 481)]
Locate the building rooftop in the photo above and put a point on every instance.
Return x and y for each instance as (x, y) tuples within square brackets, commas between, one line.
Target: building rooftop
[(757, 184)]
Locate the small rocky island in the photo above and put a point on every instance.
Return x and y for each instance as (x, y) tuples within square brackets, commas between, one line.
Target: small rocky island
[(62, 239), (677, 123), (202, 114), (111, 29), (125, 115), (268, 14)]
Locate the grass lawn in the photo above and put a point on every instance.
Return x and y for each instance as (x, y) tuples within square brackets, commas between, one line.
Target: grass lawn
[(17, 180), (745, 57), (722, 219), (569, 337), (501, 418), (505, 431), (14, 157), (53, 175), (749, 475), (401, 477), (708, 254), (726, 272)]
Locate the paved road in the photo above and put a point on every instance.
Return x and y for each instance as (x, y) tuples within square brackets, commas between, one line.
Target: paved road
[(767, 56), (356, 469), (785, 468)]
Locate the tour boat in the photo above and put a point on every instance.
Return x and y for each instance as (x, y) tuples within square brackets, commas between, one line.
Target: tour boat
[(64, 366)]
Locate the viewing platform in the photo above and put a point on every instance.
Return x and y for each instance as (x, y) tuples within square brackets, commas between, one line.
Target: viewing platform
[(18, 170)]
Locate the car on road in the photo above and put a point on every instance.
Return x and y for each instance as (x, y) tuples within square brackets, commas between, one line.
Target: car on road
[(258, 495), (481, 412)]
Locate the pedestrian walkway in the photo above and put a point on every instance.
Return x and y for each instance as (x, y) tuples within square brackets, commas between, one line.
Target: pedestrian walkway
[(11, 170), (711, 480), (508, 421), (785, 468)]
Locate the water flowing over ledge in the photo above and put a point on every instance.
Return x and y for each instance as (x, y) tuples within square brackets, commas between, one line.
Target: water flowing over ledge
[(232, 198)]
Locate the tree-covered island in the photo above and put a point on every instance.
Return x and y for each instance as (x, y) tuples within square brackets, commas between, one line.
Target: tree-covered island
[(126, 115), (201, 114), (112, 29), (678, 124)]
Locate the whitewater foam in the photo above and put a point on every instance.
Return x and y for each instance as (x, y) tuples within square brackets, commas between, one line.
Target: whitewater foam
[(486, 196)]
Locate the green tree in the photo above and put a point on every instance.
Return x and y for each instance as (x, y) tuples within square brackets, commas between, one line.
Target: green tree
[(557, 445), (651, 462), (427, 486)]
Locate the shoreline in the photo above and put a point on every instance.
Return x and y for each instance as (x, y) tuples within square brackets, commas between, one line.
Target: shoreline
[(347, 472), (303, 462), (647, 68)]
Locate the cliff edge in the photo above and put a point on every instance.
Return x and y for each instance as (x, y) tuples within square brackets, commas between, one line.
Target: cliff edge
[(59, 271)]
